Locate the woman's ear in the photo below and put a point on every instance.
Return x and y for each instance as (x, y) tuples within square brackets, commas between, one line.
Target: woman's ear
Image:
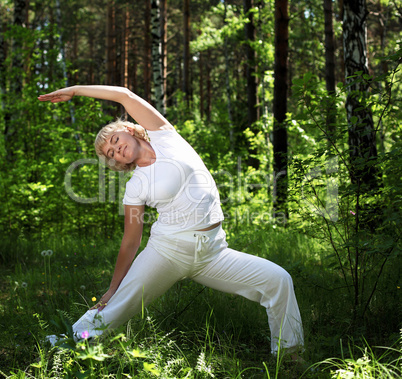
[(130, 130)]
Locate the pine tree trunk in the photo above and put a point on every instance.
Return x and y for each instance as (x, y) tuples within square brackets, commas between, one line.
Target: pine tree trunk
[(330, 64), (164, 22), (280, 137), (147, 52), (11, 120), (250, 66), (157, 56), (362, 141), (252, 110), (125, 47), (111, 44), (186, 50), (228, 86), (209, 87), (201, 68)]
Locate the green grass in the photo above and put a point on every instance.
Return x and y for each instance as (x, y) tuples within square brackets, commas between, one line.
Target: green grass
[(191, 331)]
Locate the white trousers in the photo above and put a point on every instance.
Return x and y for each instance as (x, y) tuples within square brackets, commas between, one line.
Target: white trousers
[(205, 258)]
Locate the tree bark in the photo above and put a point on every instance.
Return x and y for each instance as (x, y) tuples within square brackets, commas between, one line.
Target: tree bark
[(330, 65), (147, 52), (251, 78), (164, 22), (186, 51), (250, 65), (157, 56), (15, 81), (110, 44), (280, 138), (362, 140), (125, 47)]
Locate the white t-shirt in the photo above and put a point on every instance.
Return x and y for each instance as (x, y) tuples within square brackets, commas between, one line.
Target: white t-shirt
[(177, 184)]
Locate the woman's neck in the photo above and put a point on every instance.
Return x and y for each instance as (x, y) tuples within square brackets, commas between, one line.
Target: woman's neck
[(146, 155)]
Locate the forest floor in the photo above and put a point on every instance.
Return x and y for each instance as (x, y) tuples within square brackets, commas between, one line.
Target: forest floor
[(190, 332)]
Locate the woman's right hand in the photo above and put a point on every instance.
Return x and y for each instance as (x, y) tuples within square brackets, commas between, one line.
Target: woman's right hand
[(64, 94)]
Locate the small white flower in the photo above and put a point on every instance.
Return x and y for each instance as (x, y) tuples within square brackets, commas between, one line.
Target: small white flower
[(50, 253), (24, 284), (44, 253)]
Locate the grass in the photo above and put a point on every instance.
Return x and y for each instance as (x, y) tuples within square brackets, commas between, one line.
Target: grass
[(191, 331)]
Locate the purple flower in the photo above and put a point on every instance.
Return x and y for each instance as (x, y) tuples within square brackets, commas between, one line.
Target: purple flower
[(85, 334), (352, 213)]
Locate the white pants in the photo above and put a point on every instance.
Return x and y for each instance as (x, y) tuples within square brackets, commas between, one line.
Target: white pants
[(205, 258)]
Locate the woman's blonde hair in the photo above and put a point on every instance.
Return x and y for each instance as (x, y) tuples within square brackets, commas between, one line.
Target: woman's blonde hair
[(104, 135)]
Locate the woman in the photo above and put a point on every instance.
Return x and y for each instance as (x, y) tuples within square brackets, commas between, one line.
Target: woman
[(187, 240)]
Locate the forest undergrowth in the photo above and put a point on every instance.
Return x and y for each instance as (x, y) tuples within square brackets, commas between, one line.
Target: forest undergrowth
[(191, 331)]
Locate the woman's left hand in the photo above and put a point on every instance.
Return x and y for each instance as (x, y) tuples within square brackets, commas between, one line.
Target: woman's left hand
[(103, 301), (64, 94)]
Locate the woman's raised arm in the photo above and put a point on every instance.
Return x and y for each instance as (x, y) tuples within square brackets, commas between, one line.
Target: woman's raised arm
[(139, 109)]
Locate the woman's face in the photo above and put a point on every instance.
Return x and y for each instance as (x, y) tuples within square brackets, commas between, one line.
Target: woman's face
[(121, 146)]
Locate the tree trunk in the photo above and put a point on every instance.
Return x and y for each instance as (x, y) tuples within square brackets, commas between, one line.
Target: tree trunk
[(20, 8), (157, 56), (280, 138), (209, 86), (11, 119), (110, 44), (362, 141), (228, 87), (164, 46), (252, 110), (147, 52), (201, 68), (330, 65), (125, 47), (186, 50), (250, 66)]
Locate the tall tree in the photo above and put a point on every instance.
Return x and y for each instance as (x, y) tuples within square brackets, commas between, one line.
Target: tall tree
[(147, 52), (110, 44), (186, 51), (10, 120), (125, 47), (164, 23), (362, 141), (250, 64), (329, 63), (280, 136), (157, 56), (251, 77)]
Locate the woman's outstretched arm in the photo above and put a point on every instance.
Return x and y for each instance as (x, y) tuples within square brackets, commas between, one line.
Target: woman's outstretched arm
[(133, 224), (139, 109)]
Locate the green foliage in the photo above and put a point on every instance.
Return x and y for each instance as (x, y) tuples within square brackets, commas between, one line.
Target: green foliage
[(360, 226)]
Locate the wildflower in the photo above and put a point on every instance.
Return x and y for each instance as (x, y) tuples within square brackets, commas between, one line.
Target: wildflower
[(352, 213), (85, 334), (43, 253), (82, 288), (94, 298), (49, 253), (24, 284)]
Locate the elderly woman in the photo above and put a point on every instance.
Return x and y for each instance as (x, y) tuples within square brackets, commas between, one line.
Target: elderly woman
[(187, 240)]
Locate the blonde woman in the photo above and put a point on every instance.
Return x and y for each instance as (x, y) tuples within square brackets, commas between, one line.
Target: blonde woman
[(187, 240)]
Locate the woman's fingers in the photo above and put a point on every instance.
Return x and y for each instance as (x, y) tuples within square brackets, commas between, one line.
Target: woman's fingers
[(64, 94), (100, 305)]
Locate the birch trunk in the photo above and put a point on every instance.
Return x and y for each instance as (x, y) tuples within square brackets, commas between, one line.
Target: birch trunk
[(362, 141)]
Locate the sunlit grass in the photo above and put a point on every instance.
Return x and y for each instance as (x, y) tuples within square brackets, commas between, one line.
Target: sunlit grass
[(190, 332)]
